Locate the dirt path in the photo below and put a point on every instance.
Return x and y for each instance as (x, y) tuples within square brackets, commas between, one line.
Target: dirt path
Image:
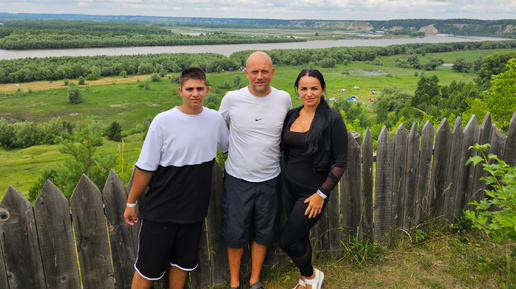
[(42, 85)]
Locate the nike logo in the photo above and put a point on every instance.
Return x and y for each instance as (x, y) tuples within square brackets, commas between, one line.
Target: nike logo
[(258, 119)]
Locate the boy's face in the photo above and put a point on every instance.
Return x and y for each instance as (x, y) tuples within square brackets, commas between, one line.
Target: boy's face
[(194, 92)]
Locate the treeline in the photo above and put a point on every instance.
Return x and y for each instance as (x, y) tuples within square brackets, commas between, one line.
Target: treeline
[(85, 34), (58, 68)]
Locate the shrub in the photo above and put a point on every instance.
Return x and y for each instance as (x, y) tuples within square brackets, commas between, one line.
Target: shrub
[(496, 214), (75, 95), (155, 77), (81, 80), (123, 73), (147, 84), (66, 82)]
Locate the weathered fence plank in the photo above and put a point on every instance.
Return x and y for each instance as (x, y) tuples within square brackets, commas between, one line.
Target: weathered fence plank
[(56, 240), (333, 211), (383, 187), (423, 193), (350, 190), (475, 189), (438, 185), (367, 186), (411, 173), (91, 236), (471, 137), (218, 253), (399, 175), (455, 172), (510, 147), (120, 235), (19, 241)]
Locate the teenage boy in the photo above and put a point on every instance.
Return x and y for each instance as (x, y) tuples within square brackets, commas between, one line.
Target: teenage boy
[(176, 164)]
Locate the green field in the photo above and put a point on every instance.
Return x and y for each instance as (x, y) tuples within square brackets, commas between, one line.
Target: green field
[(129, 104)]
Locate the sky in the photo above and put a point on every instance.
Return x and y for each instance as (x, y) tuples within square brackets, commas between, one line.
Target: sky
[(275, 9)]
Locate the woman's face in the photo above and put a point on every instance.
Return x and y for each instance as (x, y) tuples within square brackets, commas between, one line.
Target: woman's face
[(310, 91)]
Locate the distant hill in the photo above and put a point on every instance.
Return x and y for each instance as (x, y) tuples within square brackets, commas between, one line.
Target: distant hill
[(499, 28)]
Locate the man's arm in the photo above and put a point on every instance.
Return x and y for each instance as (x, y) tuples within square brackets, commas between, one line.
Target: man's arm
[(140, 182)]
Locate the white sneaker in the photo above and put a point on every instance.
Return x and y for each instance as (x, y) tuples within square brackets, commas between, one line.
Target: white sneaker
[(317, 281), (300, 283)]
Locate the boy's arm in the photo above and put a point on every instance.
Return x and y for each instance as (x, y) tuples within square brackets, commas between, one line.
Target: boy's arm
[(140, 182)]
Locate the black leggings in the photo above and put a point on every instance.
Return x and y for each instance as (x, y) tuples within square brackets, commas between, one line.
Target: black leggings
[(295, 237)]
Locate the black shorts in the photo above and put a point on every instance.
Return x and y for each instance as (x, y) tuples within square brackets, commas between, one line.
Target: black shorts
[(246, 205), (161, 245)]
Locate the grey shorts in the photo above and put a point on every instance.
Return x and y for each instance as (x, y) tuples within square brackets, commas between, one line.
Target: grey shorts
[(250, 206)]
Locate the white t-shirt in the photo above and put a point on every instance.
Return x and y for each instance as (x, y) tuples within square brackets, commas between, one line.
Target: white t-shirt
[(183, 139), (255, 133)]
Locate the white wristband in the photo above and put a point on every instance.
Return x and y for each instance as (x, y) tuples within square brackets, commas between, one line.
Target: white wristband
[(321, 194), (131, 205)]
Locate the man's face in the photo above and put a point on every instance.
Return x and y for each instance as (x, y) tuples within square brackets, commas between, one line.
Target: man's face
[(259, 71), (194, 92)]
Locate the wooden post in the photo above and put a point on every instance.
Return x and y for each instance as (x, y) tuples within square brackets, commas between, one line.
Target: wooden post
[(384, 189), (91, 236), (56, 240), (367, 186), (410, 197), (120, 234), (19, 242)]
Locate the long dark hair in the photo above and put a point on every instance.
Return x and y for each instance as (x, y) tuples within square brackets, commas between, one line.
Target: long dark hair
[(320, 124)]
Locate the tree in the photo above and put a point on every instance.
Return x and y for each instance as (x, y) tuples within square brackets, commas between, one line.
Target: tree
[(114, 131), (75, 95), (83, 160), (501, 98)]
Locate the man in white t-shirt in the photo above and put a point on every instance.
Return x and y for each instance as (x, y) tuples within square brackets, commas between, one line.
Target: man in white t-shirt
[(252, 170), (176, 162)]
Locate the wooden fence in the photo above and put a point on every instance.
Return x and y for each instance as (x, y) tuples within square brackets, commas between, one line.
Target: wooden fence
[(57, 243)]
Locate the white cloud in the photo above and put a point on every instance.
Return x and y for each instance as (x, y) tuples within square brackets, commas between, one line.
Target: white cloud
[(275, 9)]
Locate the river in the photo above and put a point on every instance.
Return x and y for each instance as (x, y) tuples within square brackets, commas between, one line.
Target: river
[(227, 49)]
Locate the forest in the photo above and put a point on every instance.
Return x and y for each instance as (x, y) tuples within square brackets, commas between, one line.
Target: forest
[(58, 68), (37, 34)]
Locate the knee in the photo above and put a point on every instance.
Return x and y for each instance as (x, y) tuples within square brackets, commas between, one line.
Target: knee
[(285, 243)]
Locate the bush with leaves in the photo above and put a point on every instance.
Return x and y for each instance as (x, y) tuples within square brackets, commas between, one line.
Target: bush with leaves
[(75, 95), (496, 214), (81, 80), (155, 77)]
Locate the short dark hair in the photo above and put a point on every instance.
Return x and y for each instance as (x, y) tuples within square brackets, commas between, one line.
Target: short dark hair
[(313, 73), (192, 73)]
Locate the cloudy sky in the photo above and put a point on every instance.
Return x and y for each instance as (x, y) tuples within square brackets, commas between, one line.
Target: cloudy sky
[(275, 9)]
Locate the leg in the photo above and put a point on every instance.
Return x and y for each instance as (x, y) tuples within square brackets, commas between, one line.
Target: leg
[(177, 278), (139, 282), (257, 257), (235, 257)]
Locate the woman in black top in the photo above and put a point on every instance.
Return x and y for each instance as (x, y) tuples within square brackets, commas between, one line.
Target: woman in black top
[(314, 144)]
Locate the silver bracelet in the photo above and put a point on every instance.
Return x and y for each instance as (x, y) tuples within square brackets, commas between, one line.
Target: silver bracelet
[(129, 205), (321, 194)]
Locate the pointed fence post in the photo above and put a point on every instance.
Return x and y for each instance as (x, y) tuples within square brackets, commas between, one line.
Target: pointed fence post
[(410, 203), (399, 176), (120, 233), (91, 236), (455, 171), (367, 186), (19, 242), (56, 239), (423, 197), (384, 188), (438, 185)]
